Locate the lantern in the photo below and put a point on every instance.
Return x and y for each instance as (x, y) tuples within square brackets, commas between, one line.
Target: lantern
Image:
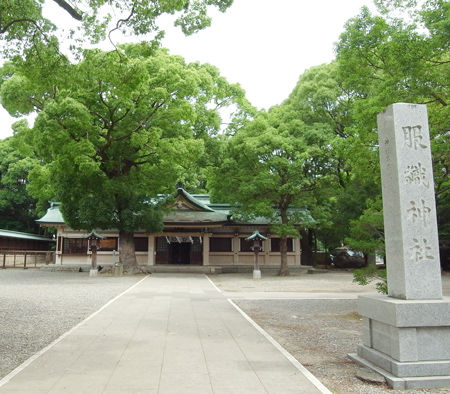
[(93, 244), (257, 239)]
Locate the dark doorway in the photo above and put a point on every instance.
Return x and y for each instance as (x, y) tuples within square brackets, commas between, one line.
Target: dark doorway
[(179, 253)]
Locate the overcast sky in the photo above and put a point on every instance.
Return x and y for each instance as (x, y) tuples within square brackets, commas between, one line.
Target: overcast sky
[(262, 44)]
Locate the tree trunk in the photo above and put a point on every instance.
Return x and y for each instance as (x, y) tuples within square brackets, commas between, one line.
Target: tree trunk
[(284, 269), (370, 259), (127, 254), (305, 243)]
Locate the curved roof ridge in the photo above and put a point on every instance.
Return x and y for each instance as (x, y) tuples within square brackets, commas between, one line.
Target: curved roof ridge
[(193, 200)]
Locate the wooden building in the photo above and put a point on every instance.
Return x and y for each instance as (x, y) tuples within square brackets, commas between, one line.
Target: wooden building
[(15, 240), (196, 232)]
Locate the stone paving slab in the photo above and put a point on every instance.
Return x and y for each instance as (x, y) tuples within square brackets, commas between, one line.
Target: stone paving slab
[(171, 333)]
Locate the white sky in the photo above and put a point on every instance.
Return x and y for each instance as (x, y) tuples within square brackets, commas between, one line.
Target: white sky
[(265, 45)]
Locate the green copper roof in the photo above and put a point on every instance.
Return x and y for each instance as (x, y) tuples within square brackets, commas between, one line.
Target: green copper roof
[(193, 200), (17, 234), (53, 215), (256, 234), (94, 234), (197, 210), (177, 216)]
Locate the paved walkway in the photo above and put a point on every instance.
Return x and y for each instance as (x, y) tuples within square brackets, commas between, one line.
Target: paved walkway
[(168, 334)]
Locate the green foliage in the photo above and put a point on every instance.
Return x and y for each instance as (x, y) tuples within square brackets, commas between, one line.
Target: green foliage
[(367, 232), (118, 129), (385, 59), (319, 98), (366, 275), (272, 165), (389, 60), (17, 207), (22, 24), (381, 60)]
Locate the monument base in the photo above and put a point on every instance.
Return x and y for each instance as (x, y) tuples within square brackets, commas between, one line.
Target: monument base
[(256, 274), (406, 341)]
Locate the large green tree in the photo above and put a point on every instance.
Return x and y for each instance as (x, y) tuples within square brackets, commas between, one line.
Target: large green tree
[(320, 98), (382, 60), (114, 131), (22, 23), (17, 207), (271, 167)]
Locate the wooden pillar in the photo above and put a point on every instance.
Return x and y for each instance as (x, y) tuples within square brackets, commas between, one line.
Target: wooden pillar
[(206, 248), (265, 255), (151, 250), (297, 250), (235, 250)]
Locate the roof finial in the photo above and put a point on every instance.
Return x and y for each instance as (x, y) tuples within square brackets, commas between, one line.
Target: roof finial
[(180, 185)]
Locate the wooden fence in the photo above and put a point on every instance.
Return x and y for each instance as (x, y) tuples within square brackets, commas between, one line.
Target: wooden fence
[(25, 258)]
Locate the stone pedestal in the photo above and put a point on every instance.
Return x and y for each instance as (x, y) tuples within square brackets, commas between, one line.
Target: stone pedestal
[(406, 335), (406, 341), (256, 274), (93, 272), (118, 269)]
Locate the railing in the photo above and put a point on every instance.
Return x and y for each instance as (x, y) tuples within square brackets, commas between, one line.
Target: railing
[(25, 258)]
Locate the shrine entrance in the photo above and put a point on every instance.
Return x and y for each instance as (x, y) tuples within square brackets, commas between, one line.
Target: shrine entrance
[(179, 250), (179, 253)]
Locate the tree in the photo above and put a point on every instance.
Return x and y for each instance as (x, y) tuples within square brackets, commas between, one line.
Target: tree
[(17, 207), (270, 168), (114, 131), (320, 98), (23, 25), (367, 232), (383, 59)]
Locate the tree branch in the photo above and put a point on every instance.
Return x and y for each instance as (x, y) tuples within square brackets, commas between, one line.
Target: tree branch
[(8, 25), (439, 99), (69, 9), (118, 24)]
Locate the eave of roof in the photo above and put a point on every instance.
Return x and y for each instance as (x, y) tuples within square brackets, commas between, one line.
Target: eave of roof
[(195, 217), (207, 213), (17, 234), (194, 201)]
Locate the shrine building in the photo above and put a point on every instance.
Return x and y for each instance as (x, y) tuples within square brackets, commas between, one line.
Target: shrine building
[(196, 232)]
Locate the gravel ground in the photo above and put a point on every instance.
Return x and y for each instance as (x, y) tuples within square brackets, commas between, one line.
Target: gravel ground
[(36, 307), (319, 334)]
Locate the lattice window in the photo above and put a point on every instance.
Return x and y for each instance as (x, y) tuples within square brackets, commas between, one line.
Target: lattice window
[(220, 244), (275, 244)]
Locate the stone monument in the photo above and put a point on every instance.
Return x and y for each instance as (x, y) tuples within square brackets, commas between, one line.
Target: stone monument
[(406, 335)]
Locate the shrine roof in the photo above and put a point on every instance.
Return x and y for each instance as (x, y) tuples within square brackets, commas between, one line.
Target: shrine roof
[(53, 215), (18, 234), (186, 209)]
